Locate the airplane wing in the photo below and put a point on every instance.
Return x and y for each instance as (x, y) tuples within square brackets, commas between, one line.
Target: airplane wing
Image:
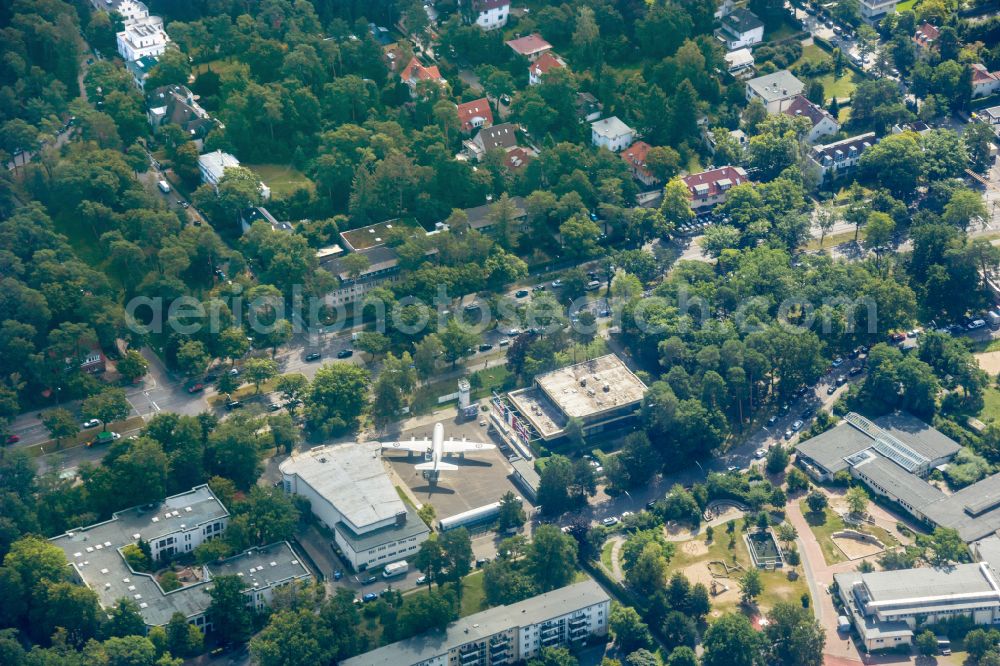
[(452, 446), (439, 466), (415, 445)]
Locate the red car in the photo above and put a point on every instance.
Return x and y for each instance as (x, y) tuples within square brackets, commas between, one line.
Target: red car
[(196, 388), (13, 439)]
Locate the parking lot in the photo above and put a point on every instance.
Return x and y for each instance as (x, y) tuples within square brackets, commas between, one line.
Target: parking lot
[(482, 477)]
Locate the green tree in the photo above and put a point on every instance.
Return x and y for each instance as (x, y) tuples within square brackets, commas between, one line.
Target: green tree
[(777, 459), (228, 611), (259, 370), (857, 500), (750, 586), (796, 637), (676, 205), (132, 366), (731, 641), (511, 512), (60, 424), (816, 501), (552, 558), (125, 619), (682, 656), (946, 546), (456, 340), (336, 398), (192, 358), (183, 639), (554, 656), (926, 643), (291, 386), (630, 632), (107, 406)]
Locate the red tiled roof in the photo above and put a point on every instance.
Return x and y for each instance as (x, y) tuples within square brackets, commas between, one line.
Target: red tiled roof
[(517, 158), (800, 106), (926, 34), (529, 44), (469, 111), (635, 157), (546, 63), (982, 75), (416, 72), (735, 176)]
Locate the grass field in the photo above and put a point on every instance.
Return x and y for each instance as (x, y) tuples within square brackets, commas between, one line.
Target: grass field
[(283, 179), (783, 31), (831, 240), (692, 558), (812, 54), (606, 556), (220, 67), (824, 526), (840, 88), (906, 6), (991, 406)]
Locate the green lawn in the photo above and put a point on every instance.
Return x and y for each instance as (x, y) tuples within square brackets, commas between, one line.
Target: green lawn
[(220, 67), (830, 240), (906, 6), (991, 406), (606, 556), (840, 88), (473, 594), (783, 31), (812, 54), (283, 179), (824, 526)]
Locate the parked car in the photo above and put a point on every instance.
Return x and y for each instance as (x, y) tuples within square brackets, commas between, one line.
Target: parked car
[(830, 390), (760, 454), (609, 521), (345, 353), (235, 372), (505, 342), (91, 423), (771, 421), (856, 370), (797, 425), (837, 362), (538, 287), (369, 596), (789, 434), (422, 580), (485, 347), (12, 439), (556, 284), (314, 356), (196, 388), (234, 404), (369, 580), (337, 575), (976, 324)]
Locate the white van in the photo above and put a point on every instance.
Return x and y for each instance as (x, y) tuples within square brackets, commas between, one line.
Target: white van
[(164, 186)]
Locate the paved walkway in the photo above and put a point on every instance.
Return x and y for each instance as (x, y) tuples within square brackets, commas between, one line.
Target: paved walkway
[(616, 559)]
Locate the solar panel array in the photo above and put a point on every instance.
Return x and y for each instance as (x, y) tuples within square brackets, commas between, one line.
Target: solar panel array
[(887, 445)]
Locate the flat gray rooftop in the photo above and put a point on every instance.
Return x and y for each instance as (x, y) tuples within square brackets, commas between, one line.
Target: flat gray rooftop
[(913, 585), (483, 625), (544, 416), (413, 526), (910, 488), (589, 388), (352, 478), (264, 566)]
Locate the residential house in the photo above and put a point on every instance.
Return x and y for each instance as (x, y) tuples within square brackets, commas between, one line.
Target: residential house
[(542, 66), (142, 37), (475, 115), (177, 105), (873, 11), (917, 126), (490, 14), (481, 220), (635, 158), (926, 35), (611, 133), (984, 82), (213, 167), (567, 616), (740, 62), (740, 28), (823, 124), (350, 493), (382, 269), (414, 73), (94, 362), (518, 157), (710, 188), (380, 34), (723, 8), (838, 159), (139, 69), (502, 136), (990, 116), (130, 10), (774, 90), (173, 526), (530, 46), (260, 214), (588, 109)]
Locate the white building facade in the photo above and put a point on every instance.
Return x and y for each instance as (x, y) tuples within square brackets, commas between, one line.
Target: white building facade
[(490, 14), (611, 133), (142, 37), (873, 11)]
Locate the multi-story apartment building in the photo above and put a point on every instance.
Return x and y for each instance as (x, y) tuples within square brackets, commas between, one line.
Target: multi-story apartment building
[(142, 37), (505, 634), (490, 14), (775, 90), (873, 11), (840, 158), (172, 527), (710, 188)]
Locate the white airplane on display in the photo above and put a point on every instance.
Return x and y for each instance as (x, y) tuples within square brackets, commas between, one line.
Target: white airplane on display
[(434, 450)]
